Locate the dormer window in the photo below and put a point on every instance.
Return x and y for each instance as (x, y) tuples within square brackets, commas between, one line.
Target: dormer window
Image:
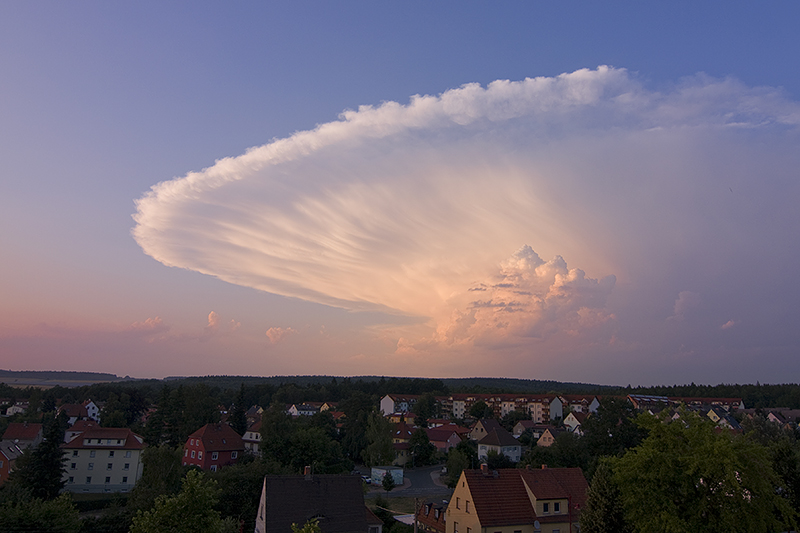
[(556, 507), (546, 507)]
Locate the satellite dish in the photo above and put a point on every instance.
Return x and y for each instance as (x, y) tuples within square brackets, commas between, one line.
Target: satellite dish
[(536, 524)]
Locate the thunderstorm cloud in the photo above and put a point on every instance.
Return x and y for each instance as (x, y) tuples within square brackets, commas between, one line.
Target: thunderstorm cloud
[(581, 212)]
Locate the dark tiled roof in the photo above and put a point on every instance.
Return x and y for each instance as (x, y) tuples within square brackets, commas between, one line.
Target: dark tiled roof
[(554, 483), (24, 431), (218, 437), (337, 501), (499, 437)]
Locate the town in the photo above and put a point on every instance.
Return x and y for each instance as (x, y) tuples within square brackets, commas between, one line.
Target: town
[(122, 457)]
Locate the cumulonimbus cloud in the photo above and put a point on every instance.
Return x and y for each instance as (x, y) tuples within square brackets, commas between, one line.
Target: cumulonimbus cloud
[(416, 209)]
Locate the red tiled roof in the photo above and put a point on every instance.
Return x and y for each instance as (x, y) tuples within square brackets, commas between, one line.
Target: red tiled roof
[(500, 497), (83, 425), (218, 438), (22, 431), (89, 438), (74, 409)]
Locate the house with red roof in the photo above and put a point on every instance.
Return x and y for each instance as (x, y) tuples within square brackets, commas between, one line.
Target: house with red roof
[(252, 438), (443, 438), (535, 501), (24, 434), (79, 427), (9, 452), (74, 412), (431, 518), (103, 460), (212, 447)]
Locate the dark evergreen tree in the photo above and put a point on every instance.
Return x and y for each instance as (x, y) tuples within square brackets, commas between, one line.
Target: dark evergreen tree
[(40, 470), (422, 451), (238, 418)]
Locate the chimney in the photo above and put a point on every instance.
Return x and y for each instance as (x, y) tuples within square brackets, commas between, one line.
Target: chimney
[(307, 473), (484, 469), (544, 467)]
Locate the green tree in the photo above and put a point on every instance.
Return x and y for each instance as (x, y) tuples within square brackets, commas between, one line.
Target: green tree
[(457, 462), (191, 510), (32, 514), (161, 475), (40, 470), (603, 512), (379, 451), (388, 482), (688, 477), (495, 460), (612, 429), (422, 451), (512, 417), (480, 410), (424, 409)]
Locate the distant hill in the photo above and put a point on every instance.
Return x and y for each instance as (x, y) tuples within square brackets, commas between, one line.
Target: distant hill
[(47, 378)]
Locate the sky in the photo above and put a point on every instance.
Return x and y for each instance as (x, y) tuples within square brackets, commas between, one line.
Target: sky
[(565, 191)]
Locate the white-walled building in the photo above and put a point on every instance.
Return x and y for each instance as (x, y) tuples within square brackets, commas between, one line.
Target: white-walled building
[(103, 460)]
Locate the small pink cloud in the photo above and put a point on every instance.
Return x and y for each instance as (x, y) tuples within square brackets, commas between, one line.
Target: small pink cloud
[(151, 325), (215, 322), (275, 335), (728, 325)]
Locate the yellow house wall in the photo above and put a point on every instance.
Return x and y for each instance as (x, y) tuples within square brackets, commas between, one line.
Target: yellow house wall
[(461, 513)]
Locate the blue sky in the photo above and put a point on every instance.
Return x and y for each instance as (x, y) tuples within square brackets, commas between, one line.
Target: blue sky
[(99, 102)]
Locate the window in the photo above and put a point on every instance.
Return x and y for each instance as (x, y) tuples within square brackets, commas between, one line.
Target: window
[(73, 466), (91, 466), (124, 479), (74, 453), (185, 453), (192, 454), (191, 442), (469, 530), (213, 468), (546, 507), (199, 455), (71, 479), (466, 504), (234, 455), (109, 466), (111, 453), (88, 479), (458, 503), (127, 466), (91, 453), (455, 527), (214, 456), (108, 479), (556, 507), (127, 454)]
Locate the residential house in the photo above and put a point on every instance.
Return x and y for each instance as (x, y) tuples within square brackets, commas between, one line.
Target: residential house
[(396, 403), (574, 421), (499, 441), (252, 438), (401, 435), (517, 500), (74, 412), (92, 410), (483, 427), (304, 409), (431, 518), (443, 438), (212, 447), (103, 460), (549, 437), (19, 407), (24, 434), (540, 407), (580, 404), (335, 502), (523, 425), (9, 452)]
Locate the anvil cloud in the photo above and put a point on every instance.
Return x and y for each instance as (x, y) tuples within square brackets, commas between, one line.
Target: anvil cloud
[(584, 215)]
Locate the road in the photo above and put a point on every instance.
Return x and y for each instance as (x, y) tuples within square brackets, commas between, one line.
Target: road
[(419, 482)]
